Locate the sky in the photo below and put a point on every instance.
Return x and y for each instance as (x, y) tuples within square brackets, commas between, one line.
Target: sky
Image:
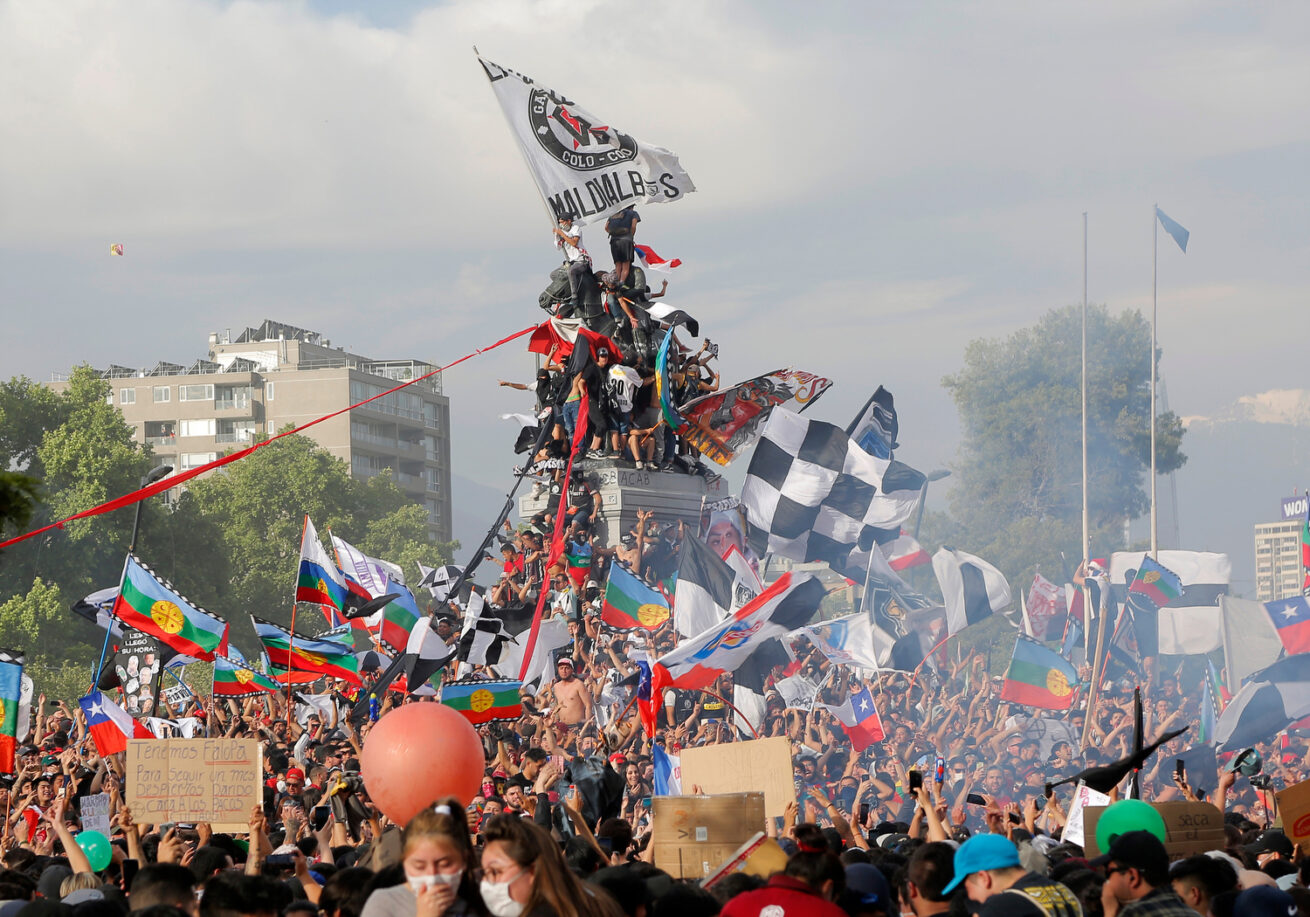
[(878, 183)]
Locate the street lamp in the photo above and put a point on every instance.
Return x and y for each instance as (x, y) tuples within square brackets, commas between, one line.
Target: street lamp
[(156, 473)]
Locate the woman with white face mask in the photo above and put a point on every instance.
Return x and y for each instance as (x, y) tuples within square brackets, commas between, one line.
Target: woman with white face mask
[(436, 856), (524, 875)]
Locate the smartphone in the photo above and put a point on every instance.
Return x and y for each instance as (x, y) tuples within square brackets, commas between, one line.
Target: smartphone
[(606, 844), (940, 775), (1015, 819), (280, 860), (1180, 769), (1039, 802), (1049, 791), (864, 812), (129, 873), (319, 816), (166, 827), (916, 781), (974, 799)]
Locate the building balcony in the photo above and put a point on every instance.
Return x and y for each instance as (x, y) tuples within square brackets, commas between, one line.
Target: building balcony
[(161, 440)]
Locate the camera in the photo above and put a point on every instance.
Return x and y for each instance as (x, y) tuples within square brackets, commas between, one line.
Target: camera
[(1261, 781)]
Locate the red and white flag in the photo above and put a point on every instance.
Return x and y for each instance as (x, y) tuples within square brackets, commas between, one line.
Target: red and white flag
[(786, 605), (1045, 601), (903, 552), (110, 725), (651, 261)]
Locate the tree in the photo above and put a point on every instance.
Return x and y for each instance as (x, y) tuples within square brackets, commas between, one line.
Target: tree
[(29, 622), (1017, 499), (256, 510)]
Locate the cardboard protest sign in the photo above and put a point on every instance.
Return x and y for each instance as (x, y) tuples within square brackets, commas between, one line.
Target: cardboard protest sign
[(194, 780), (1190, 828), (1294, 806), (93, 812), (1083, 797), (694, 835), (761, 765)]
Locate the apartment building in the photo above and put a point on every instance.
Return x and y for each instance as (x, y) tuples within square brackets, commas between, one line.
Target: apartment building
[(1278, 570), (275, 375)]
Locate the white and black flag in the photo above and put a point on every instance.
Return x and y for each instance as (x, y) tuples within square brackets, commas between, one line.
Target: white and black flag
[(438, 580), (704, 593), (584, 167), (812, 494), (972, 589)]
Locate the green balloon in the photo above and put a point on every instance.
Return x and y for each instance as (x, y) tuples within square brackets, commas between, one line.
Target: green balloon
[(1124, 816), (96, 847)]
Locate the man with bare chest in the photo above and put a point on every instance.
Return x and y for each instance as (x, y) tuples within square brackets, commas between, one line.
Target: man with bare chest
[(573, 700)]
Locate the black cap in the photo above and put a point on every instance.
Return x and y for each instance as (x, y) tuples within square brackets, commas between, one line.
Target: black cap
[(1141, 850), (1271, 841)]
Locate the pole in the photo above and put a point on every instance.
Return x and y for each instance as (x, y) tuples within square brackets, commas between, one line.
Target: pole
[(1155, 233), (1087, 536)]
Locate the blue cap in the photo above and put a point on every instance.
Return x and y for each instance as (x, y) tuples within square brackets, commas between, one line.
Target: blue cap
[(981, 852), (1264, 901)]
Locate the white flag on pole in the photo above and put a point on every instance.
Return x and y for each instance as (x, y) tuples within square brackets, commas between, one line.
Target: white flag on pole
[(584, 166)]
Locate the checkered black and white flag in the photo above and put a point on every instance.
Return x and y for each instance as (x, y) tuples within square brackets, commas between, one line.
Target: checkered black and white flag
[(811, 493)]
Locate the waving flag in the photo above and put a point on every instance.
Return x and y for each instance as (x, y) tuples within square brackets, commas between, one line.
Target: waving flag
[(668, 772), (319, 580), (972, 589), (859, 719), (876, 427), (11, 689), (788, 604), (650, 260), (149, 604), (1039, 677), (1174, 229), (372, 575), (1154, 586), (631, 603), (399, 618), (480, 701), (232, 679), (584, 167), (314, 656), (1291, 619), (852, 640), (1271, 701), (110, 724), (703, 595)]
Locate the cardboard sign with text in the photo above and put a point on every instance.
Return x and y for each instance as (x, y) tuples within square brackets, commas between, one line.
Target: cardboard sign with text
[(194, 780), (761, 765), (1294, 806), (93, 812), (1190, 828), (695, 835)]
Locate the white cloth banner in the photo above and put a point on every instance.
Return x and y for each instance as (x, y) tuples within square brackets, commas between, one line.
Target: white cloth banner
[(584, 166), (1083, 797)]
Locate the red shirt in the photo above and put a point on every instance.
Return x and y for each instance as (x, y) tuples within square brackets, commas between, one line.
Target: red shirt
[(791, 897)]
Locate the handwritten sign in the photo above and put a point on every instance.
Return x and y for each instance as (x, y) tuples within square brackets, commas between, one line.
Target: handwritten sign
[(1083, 797), (194, 780), (93, 811), (1190, 828)]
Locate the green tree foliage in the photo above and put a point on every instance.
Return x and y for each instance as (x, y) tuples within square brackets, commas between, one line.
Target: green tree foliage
[(1017, 498), (257, 507), (231, 543), (28, 623)]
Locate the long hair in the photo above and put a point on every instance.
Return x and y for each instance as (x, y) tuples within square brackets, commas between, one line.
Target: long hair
[(446, 821), (553, 885)]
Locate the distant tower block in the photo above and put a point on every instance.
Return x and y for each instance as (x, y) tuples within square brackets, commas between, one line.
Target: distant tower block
[(671, 496)]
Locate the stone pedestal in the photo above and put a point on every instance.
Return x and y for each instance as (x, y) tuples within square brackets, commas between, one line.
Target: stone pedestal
[(622, 490)]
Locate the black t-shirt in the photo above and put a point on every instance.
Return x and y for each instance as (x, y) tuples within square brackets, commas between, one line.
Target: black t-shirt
[(619, 224), (1052, 900)]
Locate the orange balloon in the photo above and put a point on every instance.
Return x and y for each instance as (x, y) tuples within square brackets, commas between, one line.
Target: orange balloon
[(417, 754)]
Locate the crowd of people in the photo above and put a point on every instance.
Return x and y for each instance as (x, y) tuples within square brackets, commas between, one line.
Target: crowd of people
[(959, 805)]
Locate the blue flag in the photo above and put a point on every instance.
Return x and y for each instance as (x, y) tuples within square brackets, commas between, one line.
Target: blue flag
[(1173, 228), (668, 772)]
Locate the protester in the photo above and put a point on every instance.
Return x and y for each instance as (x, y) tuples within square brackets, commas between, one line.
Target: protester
[(1137, 878), (437, 858), (987, 867)]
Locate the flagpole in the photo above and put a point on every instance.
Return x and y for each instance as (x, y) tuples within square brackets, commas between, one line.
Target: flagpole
[(1087, 536), (1155, 246), (109, 626)]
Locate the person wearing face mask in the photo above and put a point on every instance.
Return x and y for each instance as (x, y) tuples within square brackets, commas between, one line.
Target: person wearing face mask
[(524, 875), (436, 855)]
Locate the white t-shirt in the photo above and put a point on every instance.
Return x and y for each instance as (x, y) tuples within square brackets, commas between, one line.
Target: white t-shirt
[(623, 382), (574, 250)]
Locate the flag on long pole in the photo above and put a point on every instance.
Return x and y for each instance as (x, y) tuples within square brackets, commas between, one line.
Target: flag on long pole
[(584, 167)]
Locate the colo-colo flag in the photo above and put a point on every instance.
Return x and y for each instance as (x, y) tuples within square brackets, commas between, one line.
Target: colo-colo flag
[(149, 604), (584, 167)]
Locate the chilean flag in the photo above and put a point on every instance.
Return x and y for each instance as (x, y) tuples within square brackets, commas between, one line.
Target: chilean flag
[(110, 724), (859, 719), (1291, 619), (651, 261)]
